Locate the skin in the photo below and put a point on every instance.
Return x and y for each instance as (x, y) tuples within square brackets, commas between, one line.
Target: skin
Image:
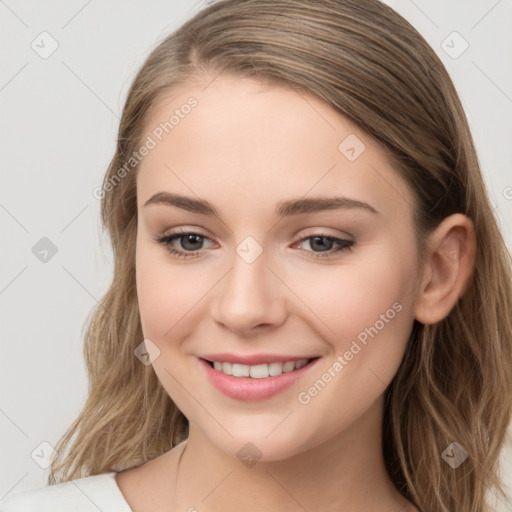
[(246, 147)]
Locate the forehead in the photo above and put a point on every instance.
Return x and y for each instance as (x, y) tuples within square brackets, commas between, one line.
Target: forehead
[(243, 139)]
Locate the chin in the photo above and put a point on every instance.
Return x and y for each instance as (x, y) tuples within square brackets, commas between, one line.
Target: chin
[(263, 445)]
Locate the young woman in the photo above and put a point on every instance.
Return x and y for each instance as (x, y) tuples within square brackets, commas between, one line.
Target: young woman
[(311, 304)]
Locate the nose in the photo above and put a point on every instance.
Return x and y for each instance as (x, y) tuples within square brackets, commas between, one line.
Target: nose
[(250, 298)]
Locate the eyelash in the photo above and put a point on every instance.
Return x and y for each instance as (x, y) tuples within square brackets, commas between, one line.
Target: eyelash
[(344, 245)]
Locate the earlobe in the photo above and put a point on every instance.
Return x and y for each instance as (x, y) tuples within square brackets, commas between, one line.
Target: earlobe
[(447, 270)]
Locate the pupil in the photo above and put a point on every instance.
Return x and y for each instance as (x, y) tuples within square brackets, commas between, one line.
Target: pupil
[(191, 239), (321, 246)]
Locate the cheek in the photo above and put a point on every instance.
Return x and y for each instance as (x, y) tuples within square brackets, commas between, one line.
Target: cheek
[(371, 315), (366, 311), (351, 297), (165, 291)]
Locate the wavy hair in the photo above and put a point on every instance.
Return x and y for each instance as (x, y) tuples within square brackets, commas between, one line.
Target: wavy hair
[(368, 63)]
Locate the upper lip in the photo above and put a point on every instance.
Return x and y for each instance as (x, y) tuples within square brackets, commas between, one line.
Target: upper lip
[(252, 359)]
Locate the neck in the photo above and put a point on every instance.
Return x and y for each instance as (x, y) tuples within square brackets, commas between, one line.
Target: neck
[(346, 472)]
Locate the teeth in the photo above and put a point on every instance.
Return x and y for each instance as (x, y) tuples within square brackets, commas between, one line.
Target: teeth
[(259, 371), (289, 366), (301, 363), (275, 369), (239, 370)]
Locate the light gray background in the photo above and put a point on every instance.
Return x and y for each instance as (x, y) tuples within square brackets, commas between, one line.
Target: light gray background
[(59, 118)]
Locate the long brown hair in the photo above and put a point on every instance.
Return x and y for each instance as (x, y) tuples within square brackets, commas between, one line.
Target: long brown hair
[(367, 62)]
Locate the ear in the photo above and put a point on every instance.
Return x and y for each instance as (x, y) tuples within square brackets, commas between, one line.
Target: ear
[(448, 267)]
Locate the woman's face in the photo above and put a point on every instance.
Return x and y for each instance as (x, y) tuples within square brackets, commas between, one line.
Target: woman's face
[(273, 275)]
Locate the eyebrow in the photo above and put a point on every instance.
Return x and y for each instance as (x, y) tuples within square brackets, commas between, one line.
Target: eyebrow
[(283, 208)]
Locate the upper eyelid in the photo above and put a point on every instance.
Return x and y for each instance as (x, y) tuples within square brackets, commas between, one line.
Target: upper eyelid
[(320, 231), (177, 234)]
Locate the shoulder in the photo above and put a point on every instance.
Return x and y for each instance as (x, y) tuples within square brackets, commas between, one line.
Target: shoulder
[(92, 493)]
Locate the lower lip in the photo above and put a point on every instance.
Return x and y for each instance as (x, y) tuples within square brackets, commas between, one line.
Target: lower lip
[(247, 388)]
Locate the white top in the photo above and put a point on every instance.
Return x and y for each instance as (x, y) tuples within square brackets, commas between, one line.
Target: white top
[(88, 494)]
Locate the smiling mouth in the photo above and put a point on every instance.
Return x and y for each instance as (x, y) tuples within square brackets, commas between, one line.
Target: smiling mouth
[(259, 371)]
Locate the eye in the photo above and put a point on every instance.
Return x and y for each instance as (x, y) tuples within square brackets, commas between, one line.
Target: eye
[(322, 245), (325, 244), (190, 242)]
